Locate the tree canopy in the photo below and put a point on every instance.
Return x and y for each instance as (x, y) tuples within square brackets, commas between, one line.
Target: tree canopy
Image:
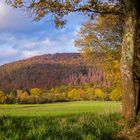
[(57, 9)]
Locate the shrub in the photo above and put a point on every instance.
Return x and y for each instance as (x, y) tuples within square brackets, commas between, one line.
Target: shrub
[(11, 98), (23, 97), (99, 94), (74, 94), (116, 94), (90, 93), (36, 91), (2, 97)]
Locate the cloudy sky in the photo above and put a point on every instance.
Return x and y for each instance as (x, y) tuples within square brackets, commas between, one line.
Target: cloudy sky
[(21, 38)]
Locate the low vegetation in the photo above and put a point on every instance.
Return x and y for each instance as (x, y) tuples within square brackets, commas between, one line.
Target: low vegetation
[(61, 94), (84, 120), (73, 127)]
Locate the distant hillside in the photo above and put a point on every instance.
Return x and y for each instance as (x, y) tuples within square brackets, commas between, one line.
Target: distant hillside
[(48, 71)]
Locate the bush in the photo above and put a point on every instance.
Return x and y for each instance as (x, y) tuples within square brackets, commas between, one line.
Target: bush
[(99, 94), (23, 97), (60, 94), (36, 91), (74, 94), (116, 94), (90, 93), (2, 97)]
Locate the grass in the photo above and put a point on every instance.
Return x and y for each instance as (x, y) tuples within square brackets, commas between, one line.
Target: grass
[(59, 109), (83, 120)]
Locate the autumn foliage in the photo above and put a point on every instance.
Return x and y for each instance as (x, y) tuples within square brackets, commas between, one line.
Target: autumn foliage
[(48, 71)]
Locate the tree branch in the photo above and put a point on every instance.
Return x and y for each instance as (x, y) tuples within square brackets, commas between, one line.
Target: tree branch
[(97, 11)]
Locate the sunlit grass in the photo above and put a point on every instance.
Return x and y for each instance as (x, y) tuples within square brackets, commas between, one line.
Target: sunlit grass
[(58, 109), (83, 120)]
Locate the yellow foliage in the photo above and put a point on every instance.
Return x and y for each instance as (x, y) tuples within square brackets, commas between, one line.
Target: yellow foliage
[(97, 48), (99, 93), (116, 94), (74, 94), (2, 97), (90, 91), (82, 93), (19, 93), (36, 91), (24, 95)]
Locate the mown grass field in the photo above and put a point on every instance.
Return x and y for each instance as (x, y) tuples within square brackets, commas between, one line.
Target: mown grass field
[(58, 109), (84, 120)]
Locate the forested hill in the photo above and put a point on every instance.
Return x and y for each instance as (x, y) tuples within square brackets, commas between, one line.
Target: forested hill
[(47, 71)]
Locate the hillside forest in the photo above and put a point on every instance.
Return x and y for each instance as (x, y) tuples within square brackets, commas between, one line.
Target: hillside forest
[(55, 78)]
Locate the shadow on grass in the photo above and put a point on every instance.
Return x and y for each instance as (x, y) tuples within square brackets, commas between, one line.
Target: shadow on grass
[(72, 127), (15, 107)]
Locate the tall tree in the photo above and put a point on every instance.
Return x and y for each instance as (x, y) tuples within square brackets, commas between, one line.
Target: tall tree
[(127, 60), (129, 9), (100, 44)]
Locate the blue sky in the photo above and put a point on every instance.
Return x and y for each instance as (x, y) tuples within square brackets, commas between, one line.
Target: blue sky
[(21, 38)]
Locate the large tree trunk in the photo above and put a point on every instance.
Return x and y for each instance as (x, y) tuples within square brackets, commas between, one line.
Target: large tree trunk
[(137, 72), (127, 61), (138, 96), (137, 69)]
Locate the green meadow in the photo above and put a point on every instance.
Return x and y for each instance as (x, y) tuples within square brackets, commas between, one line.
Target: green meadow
[(82, 120), (58, 109)]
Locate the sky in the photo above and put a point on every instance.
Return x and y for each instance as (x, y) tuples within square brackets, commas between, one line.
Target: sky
[(21, 37)]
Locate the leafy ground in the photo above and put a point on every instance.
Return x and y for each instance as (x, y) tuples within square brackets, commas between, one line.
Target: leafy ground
[(60, 121)]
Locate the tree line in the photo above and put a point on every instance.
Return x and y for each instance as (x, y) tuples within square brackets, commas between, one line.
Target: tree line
[(62, 93)]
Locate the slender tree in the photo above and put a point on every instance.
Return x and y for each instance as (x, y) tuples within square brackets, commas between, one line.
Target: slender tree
[(128, 9), (93, 36), (99, 48)]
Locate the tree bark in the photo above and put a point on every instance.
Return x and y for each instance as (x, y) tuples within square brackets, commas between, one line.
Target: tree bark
[(137, 75), (127, 61), (138, 97)]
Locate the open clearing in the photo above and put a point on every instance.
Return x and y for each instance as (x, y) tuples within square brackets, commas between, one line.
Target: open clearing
[(58, 109), (82, 120)]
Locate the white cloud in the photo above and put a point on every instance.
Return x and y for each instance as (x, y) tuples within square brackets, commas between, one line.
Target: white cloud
[(15, 20), (27, 54), (8, 53), (15, 48), (37, 44)]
